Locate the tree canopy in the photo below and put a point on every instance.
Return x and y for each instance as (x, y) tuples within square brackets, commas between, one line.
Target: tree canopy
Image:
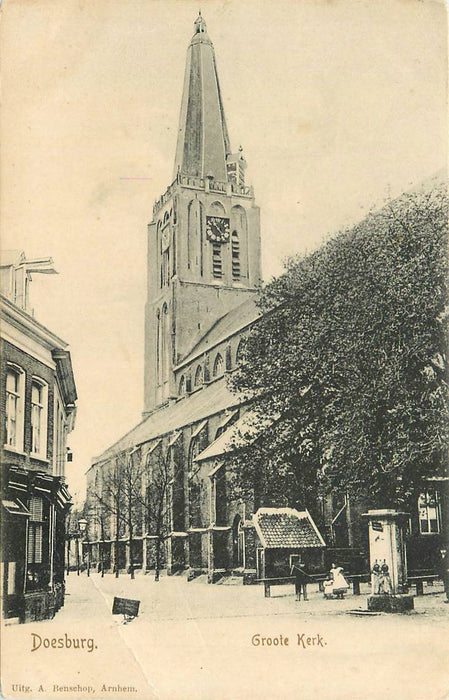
[(350, 359)]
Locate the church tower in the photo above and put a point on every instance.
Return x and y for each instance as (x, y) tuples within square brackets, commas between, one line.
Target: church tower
[(204, 238)]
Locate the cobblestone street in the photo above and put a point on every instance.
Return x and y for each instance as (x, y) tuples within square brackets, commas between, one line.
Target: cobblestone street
[(192, 640)]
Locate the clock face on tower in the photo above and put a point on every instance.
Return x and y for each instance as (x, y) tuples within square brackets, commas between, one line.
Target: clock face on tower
[(217, 229)]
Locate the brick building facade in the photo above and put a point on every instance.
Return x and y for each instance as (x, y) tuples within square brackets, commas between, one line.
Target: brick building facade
[(38, 411)]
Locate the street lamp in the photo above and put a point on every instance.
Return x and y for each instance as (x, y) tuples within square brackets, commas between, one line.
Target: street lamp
[(82, 524)]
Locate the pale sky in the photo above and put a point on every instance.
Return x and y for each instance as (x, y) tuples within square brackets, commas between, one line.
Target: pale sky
[(338, 104)]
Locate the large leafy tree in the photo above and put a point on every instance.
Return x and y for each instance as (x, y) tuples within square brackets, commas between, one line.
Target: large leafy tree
[(350, 359)]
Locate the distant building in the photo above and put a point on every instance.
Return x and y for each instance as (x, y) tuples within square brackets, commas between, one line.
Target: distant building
[(38, 411)]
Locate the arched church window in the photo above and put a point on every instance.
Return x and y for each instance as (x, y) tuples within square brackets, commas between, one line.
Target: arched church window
[(198, 376), (218, 367), (194, 450), (228, 356), (166, 267), (195, 485), (216, 209), (182, 386), (174, 467), (200, 236), (195, 236), (235, 252), (240, 353), (158, 347), (165, 344), (191, 230), (221, 500)]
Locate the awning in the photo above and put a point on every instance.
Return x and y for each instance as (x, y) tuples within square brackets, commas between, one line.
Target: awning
[(63, 496), (39, 483), (15, 507)]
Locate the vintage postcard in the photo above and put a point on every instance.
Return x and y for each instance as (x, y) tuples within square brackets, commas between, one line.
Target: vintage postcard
[(225, 418)]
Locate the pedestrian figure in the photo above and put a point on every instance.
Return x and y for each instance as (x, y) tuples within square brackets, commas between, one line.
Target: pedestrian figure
[(375, 578), (444, 572), (340, 585), (301, 579), (385, 586), (328, 587)]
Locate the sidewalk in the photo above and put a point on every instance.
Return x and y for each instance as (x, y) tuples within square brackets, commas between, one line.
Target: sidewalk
[(174, 598), (89, 655)]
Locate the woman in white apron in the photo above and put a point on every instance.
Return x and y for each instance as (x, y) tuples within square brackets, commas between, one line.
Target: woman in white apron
[(340, 585)]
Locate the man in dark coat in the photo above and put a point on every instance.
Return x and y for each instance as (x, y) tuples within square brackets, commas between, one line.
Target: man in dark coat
[(298, 570)]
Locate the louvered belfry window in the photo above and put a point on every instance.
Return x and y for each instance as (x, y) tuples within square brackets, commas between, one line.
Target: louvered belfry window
[(217, 263), (235, 247)]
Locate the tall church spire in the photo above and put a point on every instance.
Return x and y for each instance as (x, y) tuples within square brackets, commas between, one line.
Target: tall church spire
[(203, 141), (204, 237)]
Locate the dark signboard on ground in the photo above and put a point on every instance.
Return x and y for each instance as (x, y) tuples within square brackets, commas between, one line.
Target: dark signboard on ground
[(125, 606)]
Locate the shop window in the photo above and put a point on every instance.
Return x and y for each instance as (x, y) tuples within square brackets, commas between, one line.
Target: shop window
[(429, 516), (36, 508), (15, 384), (39, 401)]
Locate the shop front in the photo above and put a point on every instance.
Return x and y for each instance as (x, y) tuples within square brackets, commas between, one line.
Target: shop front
[(34, 508)]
